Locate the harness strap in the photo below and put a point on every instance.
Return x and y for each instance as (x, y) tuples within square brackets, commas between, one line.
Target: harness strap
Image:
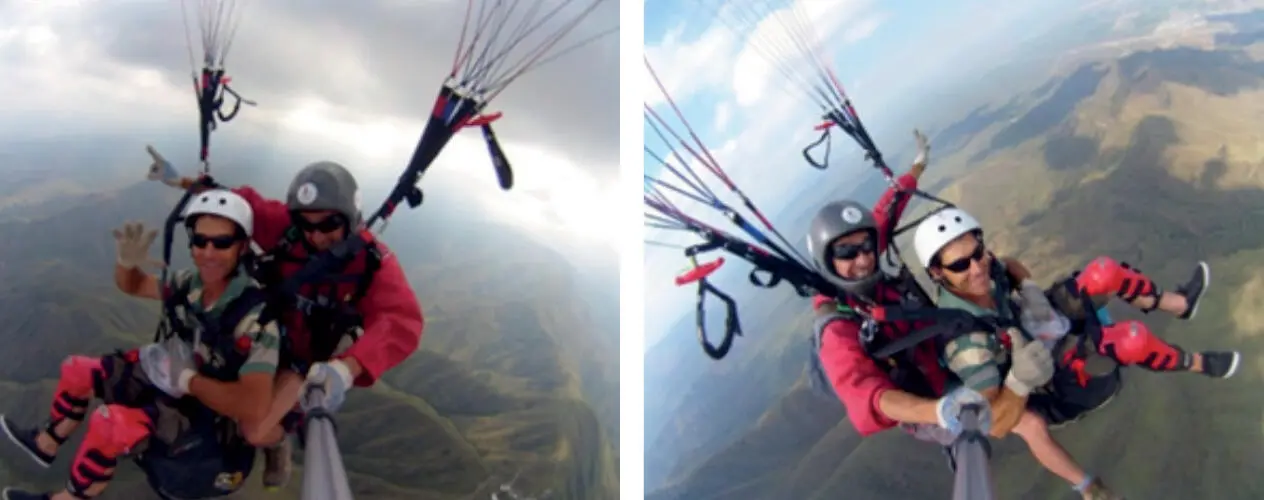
[(1075, 359), (818, 379), (177, 298), (897, 362), (218, 331), (322, 271), (946, 323)]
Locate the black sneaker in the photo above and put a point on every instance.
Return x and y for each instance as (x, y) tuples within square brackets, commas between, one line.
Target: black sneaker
[(11, 493), (1194, 289), (25, 439), (1220, 364)]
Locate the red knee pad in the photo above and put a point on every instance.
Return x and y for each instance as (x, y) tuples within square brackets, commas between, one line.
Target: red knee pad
[(1132, 343), (1104, 276), (113, 430), (77, 374), (74, 388)]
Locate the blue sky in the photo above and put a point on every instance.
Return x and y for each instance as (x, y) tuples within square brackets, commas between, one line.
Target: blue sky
[(882, 52)]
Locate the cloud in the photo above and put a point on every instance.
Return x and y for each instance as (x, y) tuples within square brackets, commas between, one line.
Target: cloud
[(344, 81), (385, 57), (678, 62), (774, 49), (865, 28), (723, 112)]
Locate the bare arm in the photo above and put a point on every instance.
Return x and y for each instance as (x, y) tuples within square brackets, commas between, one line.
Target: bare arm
[(285, 392), (137, 283), (289, 388), (917, 170), (187, 182), (971, 359), (904, 407), (245, 400), (1007, 409)]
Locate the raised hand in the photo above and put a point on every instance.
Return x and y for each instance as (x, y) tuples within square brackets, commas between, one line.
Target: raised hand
[(161, 170)]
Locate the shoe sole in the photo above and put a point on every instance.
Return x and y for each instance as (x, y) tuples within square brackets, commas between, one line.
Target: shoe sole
[(1206, 284), (4, 423), (1233, 365)]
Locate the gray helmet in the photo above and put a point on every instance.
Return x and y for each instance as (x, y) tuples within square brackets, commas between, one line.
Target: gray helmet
[(833, 221), (325, 185)]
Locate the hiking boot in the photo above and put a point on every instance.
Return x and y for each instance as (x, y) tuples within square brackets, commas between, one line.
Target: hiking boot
[(25, 438), (1220, 364), (277, 465), (1194, 288), (11, 493), (1097, 490)]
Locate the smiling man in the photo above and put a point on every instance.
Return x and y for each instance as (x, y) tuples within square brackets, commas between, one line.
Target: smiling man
[(346, 326), (950, 246), (223, 352)]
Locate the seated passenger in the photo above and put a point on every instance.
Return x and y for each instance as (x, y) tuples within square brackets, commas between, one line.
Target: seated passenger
[(949, 244), (180, 406)]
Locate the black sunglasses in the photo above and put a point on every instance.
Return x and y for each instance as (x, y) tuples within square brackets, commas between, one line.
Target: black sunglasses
[(326, 225), (963, 264), (222, 242), (849, 251)]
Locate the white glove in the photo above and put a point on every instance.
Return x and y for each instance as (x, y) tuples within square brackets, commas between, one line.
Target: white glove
[(169, 366), (133, 242), (333, 379), (161, 170), (923, 149), (1031, 365), (948, 410)]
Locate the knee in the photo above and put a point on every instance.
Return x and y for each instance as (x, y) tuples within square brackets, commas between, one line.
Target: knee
[(78, 373), (1031, 426), (1131, 342), (1102, 276), (115, 429)]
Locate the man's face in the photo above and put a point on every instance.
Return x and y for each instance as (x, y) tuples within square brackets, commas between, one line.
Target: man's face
[(215, 246), (853, 255), (321, 228), (964, 263)]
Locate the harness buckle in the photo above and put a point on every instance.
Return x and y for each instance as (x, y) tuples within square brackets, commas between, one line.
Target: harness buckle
[(1006, 339), (868, 331), (1077, 365)]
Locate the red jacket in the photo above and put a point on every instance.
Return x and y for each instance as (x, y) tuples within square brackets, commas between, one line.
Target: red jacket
[(856, 378), (392, 316)]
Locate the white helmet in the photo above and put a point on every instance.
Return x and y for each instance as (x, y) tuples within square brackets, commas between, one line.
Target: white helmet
[(223, 203), (940, 228)]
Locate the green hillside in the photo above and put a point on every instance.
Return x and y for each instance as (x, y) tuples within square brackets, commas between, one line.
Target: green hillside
[(1151, 158), (507, 384)]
